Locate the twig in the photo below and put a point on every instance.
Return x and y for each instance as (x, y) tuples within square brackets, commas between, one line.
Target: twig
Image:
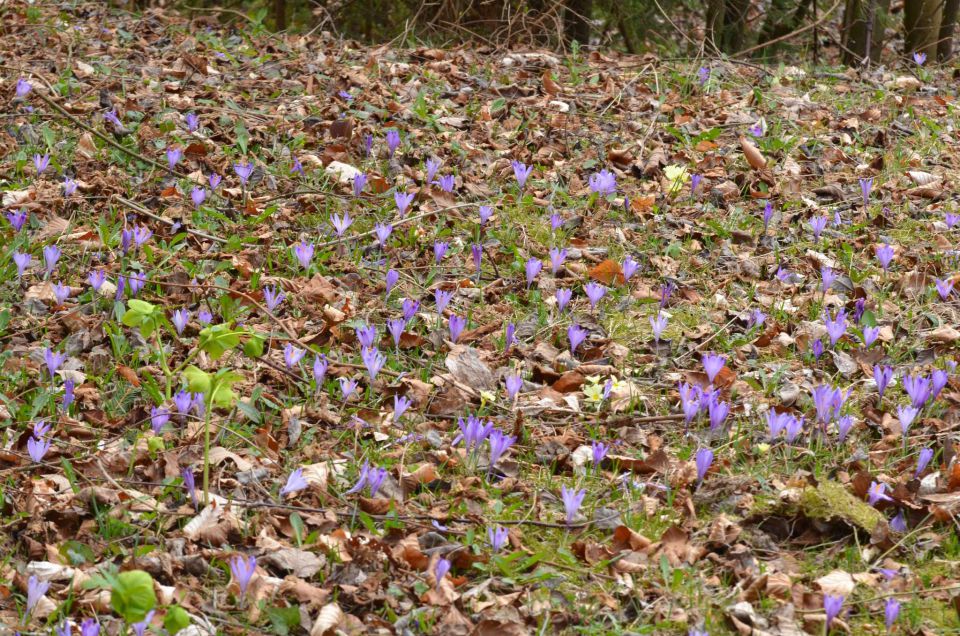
[(142, 210)]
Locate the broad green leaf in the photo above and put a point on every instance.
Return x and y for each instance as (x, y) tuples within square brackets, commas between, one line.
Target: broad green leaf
[(254, 346), (221, 388), (132, 596), (216, 340), (198, 380), (177, 619)]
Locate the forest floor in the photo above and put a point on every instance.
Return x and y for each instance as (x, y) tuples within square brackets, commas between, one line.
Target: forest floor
[(308, 338)]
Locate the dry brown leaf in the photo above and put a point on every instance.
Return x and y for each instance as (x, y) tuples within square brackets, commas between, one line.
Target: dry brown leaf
[(607, 272), (753, 154), (328, 619)]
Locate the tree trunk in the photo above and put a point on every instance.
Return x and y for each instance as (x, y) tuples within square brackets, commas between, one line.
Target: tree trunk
[(280, 14), (726, 24), (780, 21), (947, 26), (576, 21), (863, 19), (921, 24)]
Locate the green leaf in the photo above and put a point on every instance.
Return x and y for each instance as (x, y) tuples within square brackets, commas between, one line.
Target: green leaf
[(296, 522), (140, 306), (283, 619), (221, 388), (254, 346), (132, 596), (198, 380), (248, 409), (216, 340), (177, 619)]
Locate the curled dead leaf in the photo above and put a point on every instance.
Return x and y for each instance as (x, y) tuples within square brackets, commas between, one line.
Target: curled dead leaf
[(753, 154), (327, 621)]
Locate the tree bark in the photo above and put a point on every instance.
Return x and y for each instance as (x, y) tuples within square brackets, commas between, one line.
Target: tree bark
[(280, 14), (726, 24), (863, 20), (921, 24), (576, 21), (948, 25), (780, 21)]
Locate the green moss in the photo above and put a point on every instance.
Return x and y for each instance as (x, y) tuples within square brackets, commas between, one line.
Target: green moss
[(831, 501)]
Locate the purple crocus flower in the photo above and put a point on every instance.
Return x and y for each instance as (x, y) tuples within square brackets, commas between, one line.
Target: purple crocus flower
[(844, 424), (572, 500), (22, 261), (557, 257), (532, 268), (827, 401), (368, 144), (440, 570), (375, 479), (69, 187), (410, 307), (359, 182), (183, 402), (439, 251), (472, 432), (17, 219), (37, 448), (563, 296), (658, 325), (68, 396), (366, 335), (41, 163), (446, 182), (919, 57), (190, 484), (712, 365), (51, 254), (938, 380), (204, 317), (141, 234), (508, 335), (36, 589), (442, 299), (432, 165), (400, 406), (340, 224), (382, 232), (320, 365), (923, 460), (391, 278), (497, 537), (556, 222), (457, 325), (295, 483), (180, 319), (126, 239), (767, 215), (630, 268), (61, 292), (111, 117), (877, 492), (882, 375), (603, 183), (521, 172), (297, 167), (173, 157), (513, 384), (718, 413), (54, 360), (485, 212), (704, 459), (836, 325), (776, 422), (215, 180), (891, 610), (193, 122), (476, 251), (756, 130), (793, 427), (695, 180), (817, 225), (139, 629), (395, 327), (828, 276), (691, 408), (374, 361), (136, 282), (598, 452), (89, 627), (884, 254), (918, 388), (500, 443), (906, 415), (243, 170), (576, 335), (159, 416), (944, 287), (594, 292), (121, 286), (393, 141), (951, 219), (832, 606), (403, 201), (243, 570), (272, 297), (866, 185), (870, 335), (292, 355), (303, 251), (23, 87), (198, 195)]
